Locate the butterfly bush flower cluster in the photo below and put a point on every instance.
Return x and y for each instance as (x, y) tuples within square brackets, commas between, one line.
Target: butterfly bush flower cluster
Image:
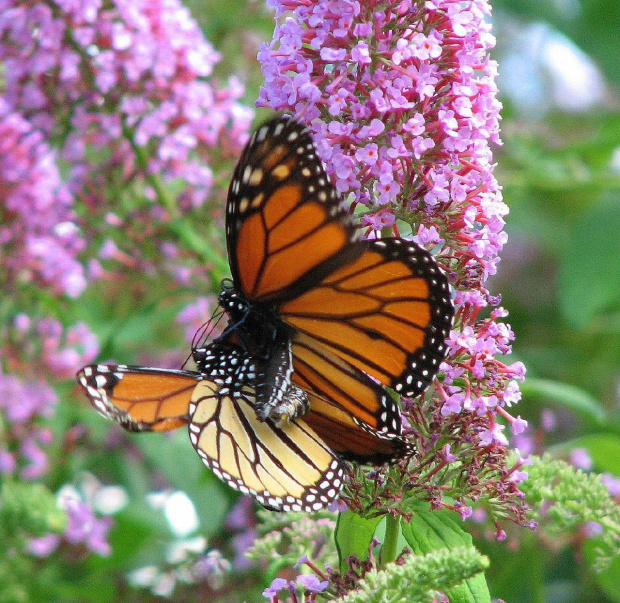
[(84, 528), (29, 401), (402, 99), (121, 89), (110, 122), (40, 247), (39, 238)]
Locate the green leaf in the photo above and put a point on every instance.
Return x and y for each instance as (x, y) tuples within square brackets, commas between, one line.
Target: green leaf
[(573, 398), (590, 266), (607, 579), (354, 535), (433, 530), (603, 448)]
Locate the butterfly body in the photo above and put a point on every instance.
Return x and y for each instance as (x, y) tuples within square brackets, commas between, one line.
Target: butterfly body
[(320, 321)]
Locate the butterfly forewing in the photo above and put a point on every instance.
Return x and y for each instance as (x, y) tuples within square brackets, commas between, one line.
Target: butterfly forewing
[(281, 206), (139, 398), (387, 313)]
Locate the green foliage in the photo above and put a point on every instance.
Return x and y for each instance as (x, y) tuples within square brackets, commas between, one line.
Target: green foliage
[(602, 448), (589, 265), (419, 577), (559, 280), (569, 396), (571, 498), (27, 510), (285, 537), (354, 535), (558, 276), (424, 533), (436, 530)]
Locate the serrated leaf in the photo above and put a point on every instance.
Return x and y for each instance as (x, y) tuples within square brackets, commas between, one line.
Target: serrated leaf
[(431, 530), (354, 535)]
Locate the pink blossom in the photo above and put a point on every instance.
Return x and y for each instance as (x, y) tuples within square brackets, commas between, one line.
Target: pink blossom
[(380, 220), (580, 458), (360, 54), (493, 435), (84, 527), (39, 236), (43, 545), (612, 483), (426, 47), (368, 154), (311, 583), (548, 420), (453, 404), (149, 67), (25, 405), (519, 426)]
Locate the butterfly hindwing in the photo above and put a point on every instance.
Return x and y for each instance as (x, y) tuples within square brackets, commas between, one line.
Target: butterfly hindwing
[(284, 466), (350, 438), (323, 372)]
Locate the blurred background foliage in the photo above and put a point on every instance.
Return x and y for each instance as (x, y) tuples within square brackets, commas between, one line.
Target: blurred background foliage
[(559, 278), (560, 271)]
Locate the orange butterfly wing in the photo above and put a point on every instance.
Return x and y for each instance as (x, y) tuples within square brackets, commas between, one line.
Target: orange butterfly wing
[(387, 313), (285, 226), (284, 467), (140, 398)]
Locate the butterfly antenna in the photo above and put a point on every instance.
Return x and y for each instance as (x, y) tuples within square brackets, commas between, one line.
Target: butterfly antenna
[(205, 332)]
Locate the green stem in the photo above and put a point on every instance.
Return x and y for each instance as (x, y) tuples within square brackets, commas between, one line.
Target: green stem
[(389, 550), (141, 157), (181, 227), (192, 240)]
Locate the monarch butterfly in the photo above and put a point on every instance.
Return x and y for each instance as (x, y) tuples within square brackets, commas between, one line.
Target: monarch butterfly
[(319, 322)]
